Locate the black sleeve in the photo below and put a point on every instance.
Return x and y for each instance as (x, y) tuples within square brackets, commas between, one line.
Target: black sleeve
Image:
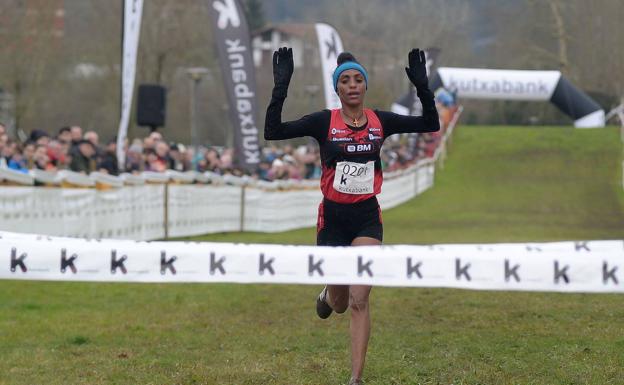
[(399, 124), (314, 125)]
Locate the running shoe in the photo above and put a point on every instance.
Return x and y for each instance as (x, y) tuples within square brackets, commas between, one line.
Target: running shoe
[(353, 381), (322, 307)]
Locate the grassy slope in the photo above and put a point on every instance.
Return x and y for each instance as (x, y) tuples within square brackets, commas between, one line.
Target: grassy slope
[(499, 184), (507, 184)]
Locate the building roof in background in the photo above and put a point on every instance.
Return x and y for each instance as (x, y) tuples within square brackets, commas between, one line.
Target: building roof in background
[(300, 30)]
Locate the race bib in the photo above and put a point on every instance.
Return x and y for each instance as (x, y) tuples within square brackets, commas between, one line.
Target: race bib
[(354, 178)]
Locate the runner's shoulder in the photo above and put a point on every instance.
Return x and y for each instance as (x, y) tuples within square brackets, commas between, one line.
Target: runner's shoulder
[(320, 116), (384, 115), (318, 123)]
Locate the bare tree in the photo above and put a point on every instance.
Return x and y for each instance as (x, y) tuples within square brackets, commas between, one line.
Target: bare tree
[(381, 33), (30, 41), (598, 48), (560, 33), (70, 74)]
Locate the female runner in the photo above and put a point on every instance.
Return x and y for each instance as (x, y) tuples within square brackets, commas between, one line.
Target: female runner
[(350, 140)]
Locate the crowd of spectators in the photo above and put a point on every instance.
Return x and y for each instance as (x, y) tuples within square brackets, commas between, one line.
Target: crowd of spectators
[(72, 149)]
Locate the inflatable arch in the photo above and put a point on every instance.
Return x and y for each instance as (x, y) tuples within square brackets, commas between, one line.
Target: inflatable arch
[(470, 83)]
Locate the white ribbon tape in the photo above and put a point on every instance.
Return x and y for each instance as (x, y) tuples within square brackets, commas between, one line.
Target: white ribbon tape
[(592, 266)]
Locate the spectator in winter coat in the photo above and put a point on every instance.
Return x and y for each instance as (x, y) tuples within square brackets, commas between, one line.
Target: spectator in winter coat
[(107, 162), (83, 161)]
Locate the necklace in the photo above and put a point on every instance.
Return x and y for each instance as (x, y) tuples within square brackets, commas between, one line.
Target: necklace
[(355, 120)]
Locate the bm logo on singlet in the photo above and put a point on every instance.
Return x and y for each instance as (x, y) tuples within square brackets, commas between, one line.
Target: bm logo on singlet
[(363, 148)]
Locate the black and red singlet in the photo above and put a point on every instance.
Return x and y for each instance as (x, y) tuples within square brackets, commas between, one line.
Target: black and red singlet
[(351, 166)]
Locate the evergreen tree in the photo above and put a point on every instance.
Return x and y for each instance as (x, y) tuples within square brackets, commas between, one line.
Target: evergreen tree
[(255, 14)]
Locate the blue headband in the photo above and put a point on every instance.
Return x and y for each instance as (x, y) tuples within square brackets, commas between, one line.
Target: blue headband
[(350, 65)]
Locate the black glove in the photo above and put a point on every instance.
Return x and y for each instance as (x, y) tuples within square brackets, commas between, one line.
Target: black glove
[(417, 70), (282, 68)]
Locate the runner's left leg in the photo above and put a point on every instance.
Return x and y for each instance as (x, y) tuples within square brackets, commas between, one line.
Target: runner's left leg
[(360, 317)]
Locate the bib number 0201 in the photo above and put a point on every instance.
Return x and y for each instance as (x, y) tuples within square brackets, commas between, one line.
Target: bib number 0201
[(355, 178), (354, 170)]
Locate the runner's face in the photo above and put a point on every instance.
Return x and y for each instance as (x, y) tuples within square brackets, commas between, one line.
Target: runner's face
[(351, 88)]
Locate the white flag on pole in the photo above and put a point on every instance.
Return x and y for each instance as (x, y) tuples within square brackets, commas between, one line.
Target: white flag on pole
[(330, 46), (133, 9)]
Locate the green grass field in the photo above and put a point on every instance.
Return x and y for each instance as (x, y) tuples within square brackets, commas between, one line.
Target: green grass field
[(498, 184)]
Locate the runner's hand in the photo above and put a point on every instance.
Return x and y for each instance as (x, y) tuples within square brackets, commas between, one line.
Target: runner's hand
[(282, 67), (417, 70)]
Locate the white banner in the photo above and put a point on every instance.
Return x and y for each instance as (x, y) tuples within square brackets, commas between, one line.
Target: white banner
[(500, 84), (281, 210), (131, 212), (593, 266), (133, 9), (330, 46), (201, 209), (138, 212), (403, 185)]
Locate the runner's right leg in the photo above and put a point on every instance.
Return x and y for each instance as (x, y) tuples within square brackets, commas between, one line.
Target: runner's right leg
[(338, 297), (332, 298)]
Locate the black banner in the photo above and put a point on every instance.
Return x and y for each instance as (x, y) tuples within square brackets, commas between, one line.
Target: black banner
[(235, 56)]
